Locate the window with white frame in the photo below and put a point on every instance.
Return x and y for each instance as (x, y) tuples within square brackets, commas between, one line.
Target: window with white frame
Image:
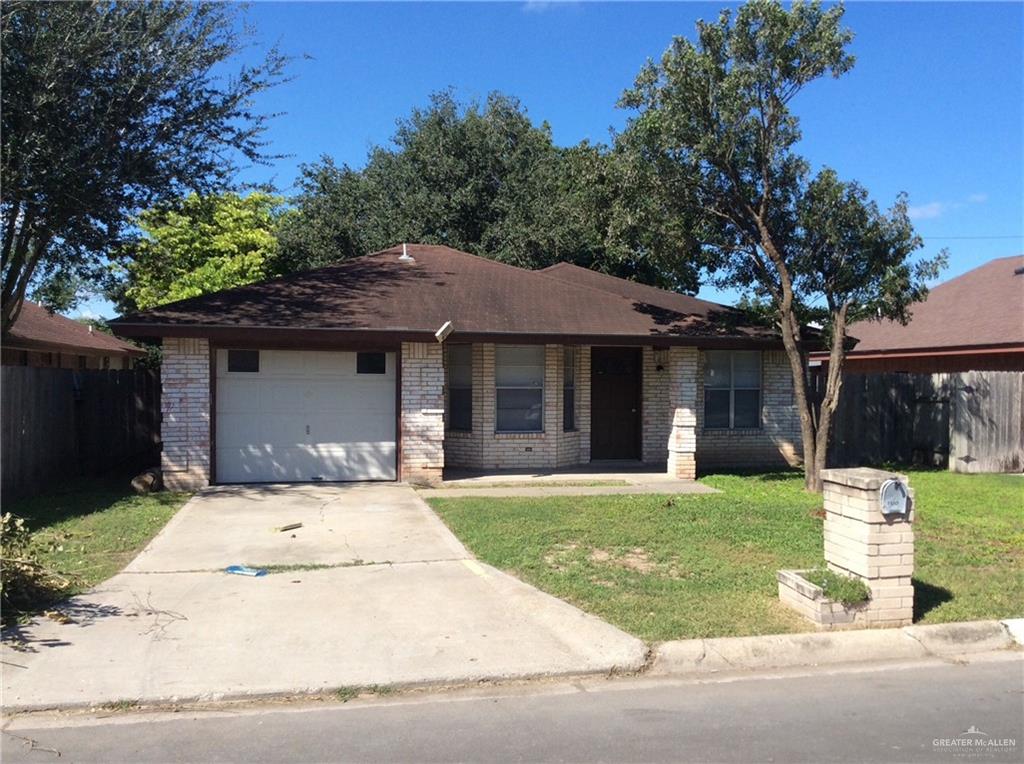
[(460, 387), (732, 389), (519, 388)]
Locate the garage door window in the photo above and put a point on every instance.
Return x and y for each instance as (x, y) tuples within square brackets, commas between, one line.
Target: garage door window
[(371, 363), (244, 360)]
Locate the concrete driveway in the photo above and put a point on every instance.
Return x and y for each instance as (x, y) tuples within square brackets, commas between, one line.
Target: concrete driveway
[(372, 589)]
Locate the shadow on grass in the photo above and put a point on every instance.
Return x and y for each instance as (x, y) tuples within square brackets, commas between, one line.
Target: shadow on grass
[(775, 476), (75, 498), (927, 597)]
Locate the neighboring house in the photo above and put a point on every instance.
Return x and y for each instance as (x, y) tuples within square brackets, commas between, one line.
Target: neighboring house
[(42, 338), (336, 374), (974, 322)]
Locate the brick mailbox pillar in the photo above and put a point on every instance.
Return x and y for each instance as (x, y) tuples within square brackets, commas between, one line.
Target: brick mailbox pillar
[(864, 542)]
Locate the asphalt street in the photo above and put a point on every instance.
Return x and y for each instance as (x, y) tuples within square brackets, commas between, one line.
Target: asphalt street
[(924, 711)]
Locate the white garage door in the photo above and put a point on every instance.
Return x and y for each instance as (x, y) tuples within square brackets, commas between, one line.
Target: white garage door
[(285, 416)]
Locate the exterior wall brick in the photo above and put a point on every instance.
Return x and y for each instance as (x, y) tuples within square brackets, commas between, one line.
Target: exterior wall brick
[(776, 443), (657, 419), (682, 442), (422, 412), (185, 409)]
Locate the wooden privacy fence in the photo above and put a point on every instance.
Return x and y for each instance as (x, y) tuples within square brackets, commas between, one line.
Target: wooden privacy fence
[(62, 423), (969, 421)]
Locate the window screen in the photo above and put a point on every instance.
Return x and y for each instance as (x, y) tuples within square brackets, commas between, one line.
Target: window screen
[(460, 387), (732, 389), (519, 387), (569, 390)]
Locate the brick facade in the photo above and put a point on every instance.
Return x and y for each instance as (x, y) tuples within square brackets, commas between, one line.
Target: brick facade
[(422, 412), (656, 416), (185, 406), (682, 444), (483, 448), (672, 413), (777, 443)]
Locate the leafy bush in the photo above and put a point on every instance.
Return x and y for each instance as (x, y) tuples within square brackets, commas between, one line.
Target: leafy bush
[(25, 583), (839, 588)]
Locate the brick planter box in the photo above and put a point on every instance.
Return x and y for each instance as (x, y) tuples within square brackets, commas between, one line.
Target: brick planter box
[(810, 601)]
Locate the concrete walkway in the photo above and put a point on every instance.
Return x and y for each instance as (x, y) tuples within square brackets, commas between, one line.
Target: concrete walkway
[(401, 602), (591, 480)]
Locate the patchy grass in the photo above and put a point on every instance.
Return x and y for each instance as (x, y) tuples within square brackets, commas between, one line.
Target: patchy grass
[(91, 530), (671, 567)]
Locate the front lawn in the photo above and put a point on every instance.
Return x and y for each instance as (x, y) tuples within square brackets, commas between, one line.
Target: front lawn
[(92, 529), (672, 567)]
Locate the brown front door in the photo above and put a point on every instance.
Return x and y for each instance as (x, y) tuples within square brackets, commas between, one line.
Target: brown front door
[(615, 403)]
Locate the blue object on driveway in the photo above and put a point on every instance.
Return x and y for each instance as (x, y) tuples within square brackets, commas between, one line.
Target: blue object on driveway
[(243, 570)]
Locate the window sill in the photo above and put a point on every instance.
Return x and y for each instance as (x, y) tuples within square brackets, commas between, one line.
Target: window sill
[(732, 430), (513, 435), (458, 433)]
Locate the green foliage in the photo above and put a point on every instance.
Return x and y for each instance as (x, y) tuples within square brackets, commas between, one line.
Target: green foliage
[(713, 120), (109, 108), (200, 245), (485, 179), (26, 581), (838, 588)]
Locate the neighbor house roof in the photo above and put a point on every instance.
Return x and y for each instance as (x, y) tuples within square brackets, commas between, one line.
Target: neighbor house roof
[(36, 328), (381, 295), (982, 309)]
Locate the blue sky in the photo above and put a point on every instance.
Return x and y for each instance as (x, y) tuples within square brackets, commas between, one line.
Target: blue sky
[(933, 106)]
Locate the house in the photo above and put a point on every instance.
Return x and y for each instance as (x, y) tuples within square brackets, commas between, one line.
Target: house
[(974, 322), (394, 365), (42, 338)]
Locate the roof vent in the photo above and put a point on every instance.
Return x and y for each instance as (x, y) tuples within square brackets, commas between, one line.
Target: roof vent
[(405, 257)]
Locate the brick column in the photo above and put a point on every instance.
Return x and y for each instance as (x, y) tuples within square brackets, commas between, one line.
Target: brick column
[(682, 442), (185, 406), (862, 542), (422, 412)]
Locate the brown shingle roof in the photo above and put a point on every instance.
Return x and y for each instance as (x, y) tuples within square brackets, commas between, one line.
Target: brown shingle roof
[(36, 327), (380, 292), (983, 307)]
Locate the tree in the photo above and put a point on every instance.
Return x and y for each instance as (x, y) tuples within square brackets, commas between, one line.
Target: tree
[(714, 120), (200, 245), (109, 108), (485, 179)]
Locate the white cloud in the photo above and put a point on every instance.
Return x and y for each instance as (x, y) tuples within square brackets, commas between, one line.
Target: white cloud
[(927, 211), (938, 209), (543, 6)]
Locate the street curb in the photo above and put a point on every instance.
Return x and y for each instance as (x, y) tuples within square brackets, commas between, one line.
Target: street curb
[(703, 656)]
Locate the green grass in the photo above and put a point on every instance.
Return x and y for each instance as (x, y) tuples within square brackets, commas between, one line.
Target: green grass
[(704, 565), (92, 529), (838, 588)]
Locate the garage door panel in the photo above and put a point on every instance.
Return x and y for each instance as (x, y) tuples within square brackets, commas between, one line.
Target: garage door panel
[(242, 395), (305, 415), (356, 461), (377, 398)]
